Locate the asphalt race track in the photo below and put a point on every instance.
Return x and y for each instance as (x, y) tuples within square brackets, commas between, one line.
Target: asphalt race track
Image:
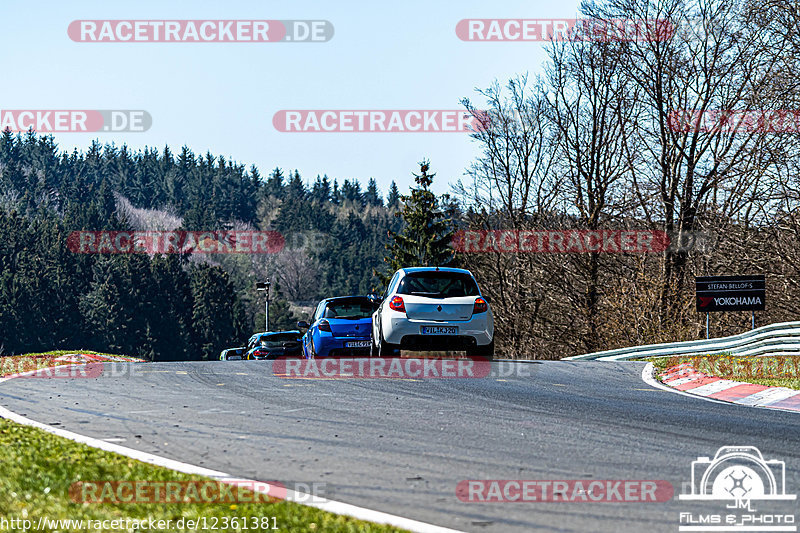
[(402, 446)]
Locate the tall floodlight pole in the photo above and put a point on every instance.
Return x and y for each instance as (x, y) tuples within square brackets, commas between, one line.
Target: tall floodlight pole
[(264, 286)]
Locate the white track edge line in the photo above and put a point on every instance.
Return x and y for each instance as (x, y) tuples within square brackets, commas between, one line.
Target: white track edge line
[(341, 508)]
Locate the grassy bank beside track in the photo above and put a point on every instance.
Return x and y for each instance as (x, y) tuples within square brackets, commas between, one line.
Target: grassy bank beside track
[(40, 476), (16, 364), (775, 371)]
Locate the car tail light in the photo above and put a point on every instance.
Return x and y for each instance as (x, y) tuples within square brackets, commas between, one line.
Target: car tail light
[(324, 325), (480, 306), (397, 304)]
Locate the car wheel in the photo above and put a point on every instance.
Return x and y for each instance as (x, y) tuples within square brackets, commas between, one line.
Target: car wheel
[(486, 351), (384, 348)]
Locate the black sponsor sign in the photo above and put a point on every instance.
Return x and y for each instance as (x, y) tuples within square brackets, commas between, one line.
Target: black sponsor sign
[(730, 293)]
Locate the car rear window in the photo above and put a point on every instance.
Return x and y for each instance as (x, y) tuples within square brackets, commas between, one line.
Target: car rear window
[(438, 285), (352, 309), (277, 340)]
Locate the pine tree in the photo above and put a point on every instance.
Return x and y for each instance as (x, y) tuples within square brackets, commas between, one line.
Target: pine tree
[(296, 190), (275, 184), (214, 319), (393, 198), (427, 232), (372, 196), (351, 191)]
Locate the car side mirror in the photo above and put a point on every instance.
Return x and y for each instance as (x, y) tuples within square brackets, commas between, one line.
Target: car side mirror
[(374, 299), (302, 324)]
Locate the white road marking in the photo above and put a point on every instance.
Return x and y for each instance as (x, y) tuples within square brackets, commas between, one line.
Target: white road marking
[(715, 387), (360, 513), (681, 381), (768, 396)]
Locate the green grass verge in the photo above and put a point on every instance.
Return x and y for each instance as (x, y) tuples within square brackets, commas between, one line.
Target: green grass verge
[(15, 364), (780, 371), (38, 468)]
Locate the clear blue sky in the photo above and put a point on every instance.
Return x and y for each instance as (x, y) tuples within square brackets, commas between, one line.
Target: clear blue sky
[(221, 97)]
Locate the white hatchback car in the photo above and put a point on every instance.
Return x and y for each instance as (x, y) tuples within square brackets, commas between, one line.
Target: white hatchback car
[(430, 308)]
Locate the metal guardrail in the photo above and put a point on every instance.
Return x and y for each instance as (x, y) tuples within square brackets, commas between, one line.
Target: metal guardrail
[(775, 339)]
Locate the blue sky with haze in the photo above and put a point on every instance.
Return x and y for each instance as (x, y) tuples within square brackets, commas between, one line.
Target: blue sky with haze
[(221, 97)]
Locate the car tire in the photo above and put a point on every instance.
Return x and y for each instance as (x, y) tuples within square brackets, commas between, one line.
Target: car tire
[(486, 351), (385, 349)]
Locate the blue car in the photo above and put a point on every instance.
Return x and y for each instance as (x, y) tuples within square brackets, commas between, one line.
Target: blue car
[(340, 327)]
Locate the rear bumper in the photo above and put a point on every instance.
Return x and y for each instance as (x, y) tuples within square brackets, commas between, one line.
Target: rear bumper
[(437, 342), (335, 347), (279, 353), (406, 332)]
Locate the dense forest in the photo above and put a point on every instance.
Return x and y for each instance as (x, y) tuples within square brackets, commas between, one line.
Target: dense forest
[(170, 306)]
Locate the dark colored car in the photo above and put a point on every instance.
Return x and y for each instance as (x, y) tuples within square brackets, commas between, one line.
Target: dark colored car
[(274, 344), (340, 327), (232, 354)]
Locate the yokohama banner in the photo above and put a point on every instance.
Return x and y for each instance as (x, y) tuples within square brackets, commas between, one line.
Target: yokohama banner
[(730, 293)]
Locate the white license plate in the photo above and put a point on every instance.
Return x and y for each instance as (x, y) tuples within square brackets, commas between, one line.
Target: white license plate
[(439, 330), (357, 344)]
